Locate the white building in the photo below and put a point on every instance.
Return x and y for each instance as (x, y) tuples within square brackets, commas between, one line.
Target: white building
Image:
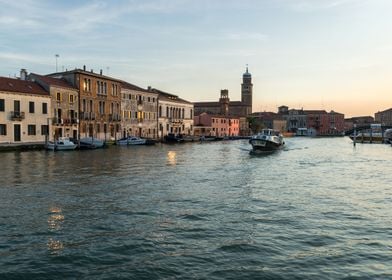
[(24, 112), (175, 115)]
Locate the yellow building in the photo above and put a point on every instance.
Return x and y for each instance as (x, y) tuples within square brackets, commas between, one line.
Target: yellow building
[(65, 105)]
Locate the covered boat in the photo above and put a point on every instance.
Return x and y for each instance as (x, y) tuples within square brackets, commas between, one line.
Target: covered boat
[(132, 140), (62, 144), (91, 143), (267, 140)]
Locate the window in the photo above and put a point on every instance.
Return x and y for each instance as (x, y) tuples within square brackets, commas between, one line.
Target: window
[(58, 96), (71, 98), (16, 105), (44, 108), (31, 129), (31, 107), (44, 130), (2, 105), (3, 129)]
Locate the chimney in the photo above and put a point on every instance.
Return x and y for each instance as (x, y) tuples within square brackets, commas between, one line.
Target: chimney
[(92, 71), (23, 74), (100, 72), (84, 67), (149, 88)]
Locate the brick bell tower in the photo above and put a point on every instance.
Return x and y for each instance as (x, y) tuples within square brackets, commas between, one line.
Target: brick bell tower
[(224, 102), (246, 92)]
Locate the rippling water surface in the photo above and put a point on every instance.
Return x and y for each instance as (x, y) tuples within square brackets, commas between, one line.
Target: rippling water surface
[(320, 209)]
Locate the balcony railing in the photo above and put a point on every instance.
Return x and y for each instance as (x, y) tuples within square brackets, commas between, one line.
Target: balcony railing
[(17, 116)]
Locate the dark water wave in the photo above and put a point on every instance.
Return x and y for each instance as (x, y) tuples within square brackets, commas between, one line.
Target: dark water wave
[(318, 209)]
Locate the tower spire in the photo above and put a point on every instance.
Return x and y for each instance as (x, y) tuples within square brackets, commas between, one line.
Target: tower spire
[(246, 68)]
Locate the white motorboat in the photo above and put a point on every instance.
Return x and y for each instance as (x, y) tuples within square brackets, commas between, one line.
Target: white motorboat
[(91, 143), (267, 140), (132, 140), (62, 144)]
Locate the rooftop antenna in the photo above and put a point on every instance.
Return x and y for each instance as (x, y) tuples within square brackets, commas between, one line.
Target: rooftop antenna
[(107, 70), (56, 56)]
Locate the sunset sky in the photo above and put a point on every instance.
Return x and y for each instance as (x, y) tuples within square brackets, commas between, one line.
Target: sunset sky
[(315, 54)]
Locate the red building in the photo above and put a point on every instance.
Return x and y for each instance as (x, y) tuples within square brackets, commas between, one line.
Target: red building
[(324, 123), (218, 125)]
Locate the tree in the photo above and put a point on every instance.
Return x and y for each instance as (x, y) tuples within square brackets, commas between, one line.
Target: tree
[(255, 124)]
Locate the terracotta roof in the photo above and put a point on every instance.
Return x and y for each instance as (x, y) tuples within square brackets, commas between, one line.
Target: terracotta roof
[(206, 104), (236, 103), (81, 71), (52, 81), (169, 97), (315, 112), (21, 86), (133, 87)]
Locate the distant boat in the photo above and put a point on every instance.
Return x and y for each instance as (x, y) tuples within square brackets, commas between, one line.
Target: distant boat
[(62, 144), (267, 140), (91, 143), (132, 140), (367, 137)]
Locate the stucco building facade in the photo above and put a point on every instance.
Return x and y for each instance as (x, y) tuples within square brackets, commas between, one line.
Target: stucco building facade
[(24, 112), (139, 111), (175, 115), (99, 103), (65, 105)]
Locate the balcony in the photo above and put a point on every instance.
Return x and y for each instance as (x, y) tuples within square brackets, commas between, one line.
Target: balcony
[(57, 121), (17, 116)]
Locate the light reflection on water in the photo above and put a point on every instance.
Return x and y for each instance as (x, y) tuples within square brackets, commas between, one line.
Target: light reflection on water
[(317, 209)]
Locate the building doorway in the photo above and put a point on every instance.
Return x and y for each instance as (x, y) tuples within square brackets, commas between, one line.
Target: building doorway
[(17, 133)]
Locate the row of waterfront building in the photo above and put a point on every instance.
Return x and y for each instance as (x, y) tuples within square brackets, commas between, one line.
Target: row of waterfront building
[(81, 103)]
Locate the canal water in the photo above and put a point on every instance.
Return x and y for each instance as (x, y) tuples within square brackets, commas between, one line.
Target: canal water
[(319, 209)]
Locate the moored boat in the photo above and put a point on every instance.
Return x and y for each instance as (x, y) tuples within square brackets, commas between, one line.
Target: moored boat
[(62, 144), (132, 140), (91, 143), (267, 140), (172, 138)]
